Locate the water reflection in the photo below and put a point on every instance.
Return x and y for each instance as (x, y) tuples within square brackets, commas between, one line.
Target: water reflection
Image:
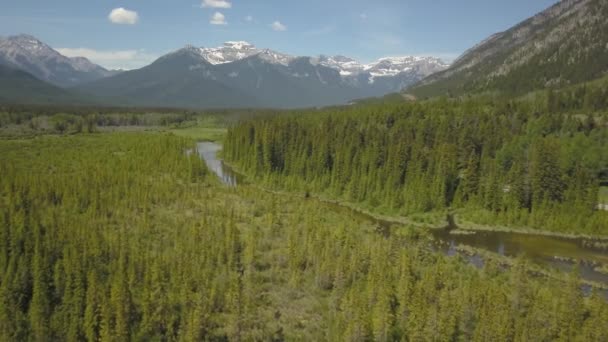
[(208, 151), (556, 252)]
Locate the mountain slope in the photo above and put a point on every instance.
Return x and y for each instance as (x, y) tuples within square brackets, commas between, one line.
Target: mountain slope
[(180, 79), (183, 79), (300, 83), (29, 54), (565, 44), (19, 87)]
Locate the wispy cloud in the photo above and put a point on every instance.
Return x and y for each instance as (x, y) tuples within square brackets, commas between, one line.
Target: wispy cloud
[(218, 19), (278, 26), (123, 16), (249, 18), (216, 4), (112, 59)]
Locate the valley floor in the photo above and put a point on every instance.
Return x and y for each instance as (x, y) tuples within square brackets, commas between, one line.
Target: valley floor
[(119, 236)]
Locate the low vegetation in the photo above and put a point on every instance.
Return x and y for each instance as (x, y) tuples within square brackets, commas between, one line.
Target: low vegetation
[(200, 133)]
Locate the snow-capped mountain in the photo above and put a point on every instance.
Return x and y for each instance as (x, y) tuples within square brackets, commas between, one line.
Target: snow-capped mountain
[(391, 66), (345, 65), (237, 50), (239, 74), (388, 66), (233, 51), (230, 52), (29, 54)]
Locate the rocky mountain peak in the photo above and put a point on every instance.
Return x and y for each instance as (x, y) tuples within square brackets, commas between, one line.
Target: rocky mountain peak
[(27, 53)]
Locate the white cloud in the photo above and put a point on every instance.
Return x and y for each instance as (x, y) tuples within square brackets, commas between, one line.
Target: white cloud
[(218, 19), (277, 26), (112, 59), (248, 18), (216, 4), (123, 16)]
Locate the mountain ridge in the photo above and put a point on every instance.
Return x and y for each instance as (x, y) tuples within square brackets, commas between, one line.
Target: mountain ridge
[(233, 51)]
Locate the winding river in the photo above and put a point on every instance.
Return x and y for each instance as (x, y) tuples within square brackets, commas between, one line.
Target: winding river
[(552, 251)]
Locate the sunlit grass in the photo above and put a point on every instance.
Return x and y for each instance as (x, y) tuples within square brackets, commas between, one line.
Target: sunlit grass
[(201, 133)]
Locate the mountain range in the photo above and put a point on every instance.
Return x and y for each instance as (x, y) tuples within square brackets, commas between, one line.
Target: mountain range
[(240, 74), (237, 74), (563, 45)]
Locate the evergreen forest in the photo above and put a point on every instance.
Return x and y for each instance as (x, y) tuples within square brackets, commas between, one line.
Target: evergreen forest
[(128, 236), (536, 162)]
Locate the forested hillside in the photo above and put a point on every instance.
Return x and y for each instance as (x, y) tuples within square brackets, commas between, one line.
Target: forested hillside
[(114, 237), (534, 162), (564, 45)]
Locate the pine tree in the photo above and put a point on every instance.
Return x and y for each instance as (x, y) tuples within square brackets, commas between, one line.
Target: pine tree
[(40, 310), (547, 183), (92, 313), (470, 177), (120, 301)]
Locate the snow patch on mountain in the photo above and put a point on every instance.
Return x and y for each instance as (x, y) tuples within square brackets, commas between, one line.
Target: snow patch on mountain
[(384, 67), (233, 51), (392, 66), (275, 57), (228, 53), (347, 67)]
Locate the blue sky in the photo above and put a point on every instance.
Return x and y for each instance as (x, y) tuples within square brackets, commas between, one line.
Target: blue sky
[(362, 29)]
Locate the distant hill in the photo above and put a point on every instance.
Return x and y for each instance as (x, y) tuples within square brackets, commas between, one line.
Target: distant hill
[(19, 87), (563, 45)]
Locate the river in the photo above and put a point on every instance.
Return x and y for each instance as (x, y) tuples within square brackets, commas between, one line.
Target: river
[(552, 251), (208, 151)]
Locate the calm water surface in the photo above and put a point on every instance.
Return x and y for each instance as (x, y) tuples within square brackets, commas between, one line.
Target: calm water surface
[(208, 151)]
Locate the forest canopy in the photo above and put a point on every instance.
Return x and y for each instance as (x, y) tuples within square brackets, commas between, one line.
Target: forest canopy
[(113, 237), (534, 162)]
